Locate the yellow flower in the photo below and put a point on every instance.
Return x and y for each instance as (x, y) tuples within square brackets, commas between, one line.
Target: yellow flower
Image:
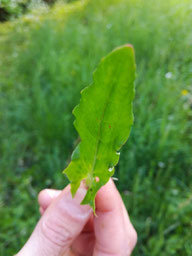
[(184, 92)]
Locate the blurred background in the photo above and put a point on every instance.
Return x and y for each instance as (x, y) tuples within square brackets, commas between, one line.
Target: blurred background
[(48, 51)]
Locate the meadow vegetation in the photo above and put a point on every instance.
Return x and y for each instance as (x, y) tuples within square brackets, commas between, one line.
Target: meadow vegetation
[(45, 60)]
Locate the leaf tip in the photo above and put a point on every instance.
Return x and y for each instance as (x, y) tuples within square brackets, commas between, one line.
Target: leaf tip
[(129, 45)]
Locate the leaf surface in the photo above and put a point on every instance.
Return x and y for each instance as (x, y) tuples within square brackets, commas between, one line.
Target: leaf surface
[(103, 120)]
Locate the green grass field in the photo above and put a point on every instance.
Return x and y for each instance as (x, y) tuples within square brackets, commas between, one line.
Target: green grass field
[(45, 61)]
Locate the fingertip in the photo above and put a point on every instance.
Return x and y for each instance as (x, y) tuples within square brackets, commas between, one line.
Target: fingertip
[(107, 197), (46, 196), (41, 210), (41, 196), (75, 202)]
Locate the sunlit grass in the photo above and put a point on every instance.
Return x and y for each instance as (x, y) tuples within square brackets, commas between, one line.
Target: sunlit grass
[(46, 59)]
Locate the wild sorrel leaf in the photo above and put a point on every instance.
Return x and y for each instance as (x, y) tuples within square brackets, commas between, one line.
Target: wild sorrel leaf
[(103, 120)]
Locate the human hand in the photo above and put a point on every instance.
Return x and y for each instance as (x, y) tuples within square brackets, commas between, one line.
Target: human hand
[(67, 228)]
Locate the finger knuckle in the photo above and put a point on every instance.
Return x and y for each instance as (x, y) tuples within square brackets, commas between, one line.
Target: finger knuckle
[(56, 232), (133, 237), (131, 240)]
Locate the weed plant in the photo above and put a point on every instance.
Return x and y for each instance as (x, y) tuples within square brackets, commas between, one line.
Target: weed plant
[(43, 67)]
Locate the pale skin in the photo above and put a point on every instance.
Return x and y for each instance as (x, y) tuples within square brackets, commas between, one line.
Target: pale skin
[(67, 228)]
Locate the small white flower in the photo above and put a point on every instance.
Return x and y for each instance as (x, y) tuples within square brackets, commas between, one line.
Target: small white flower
[(168, 75), (109, 26), (161, 165)]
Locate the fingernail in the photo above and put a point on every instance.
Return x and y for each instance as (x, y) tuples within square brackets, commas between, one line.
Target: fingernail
[(52, 193), (73, 206), (80, 194)]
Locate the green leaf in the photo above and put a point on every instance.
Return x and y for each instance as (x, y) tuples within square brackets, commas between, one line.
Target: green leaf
[(103, 120)]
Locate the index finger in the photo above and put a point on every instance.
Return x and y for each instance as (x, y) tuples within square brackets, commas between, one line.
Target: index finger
[(114, 232)]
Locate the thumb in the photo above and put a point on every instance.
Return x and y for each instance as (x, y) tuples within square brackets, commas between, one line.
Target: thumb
[(61, 223)]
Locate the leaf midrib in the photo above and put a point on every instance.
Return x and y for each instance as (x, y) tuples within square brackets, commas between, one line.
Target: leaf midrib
[(99, 130)]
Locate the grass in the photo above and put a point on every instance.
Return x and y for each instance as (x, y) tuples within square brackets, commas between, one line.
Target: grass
[(43, 67)]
